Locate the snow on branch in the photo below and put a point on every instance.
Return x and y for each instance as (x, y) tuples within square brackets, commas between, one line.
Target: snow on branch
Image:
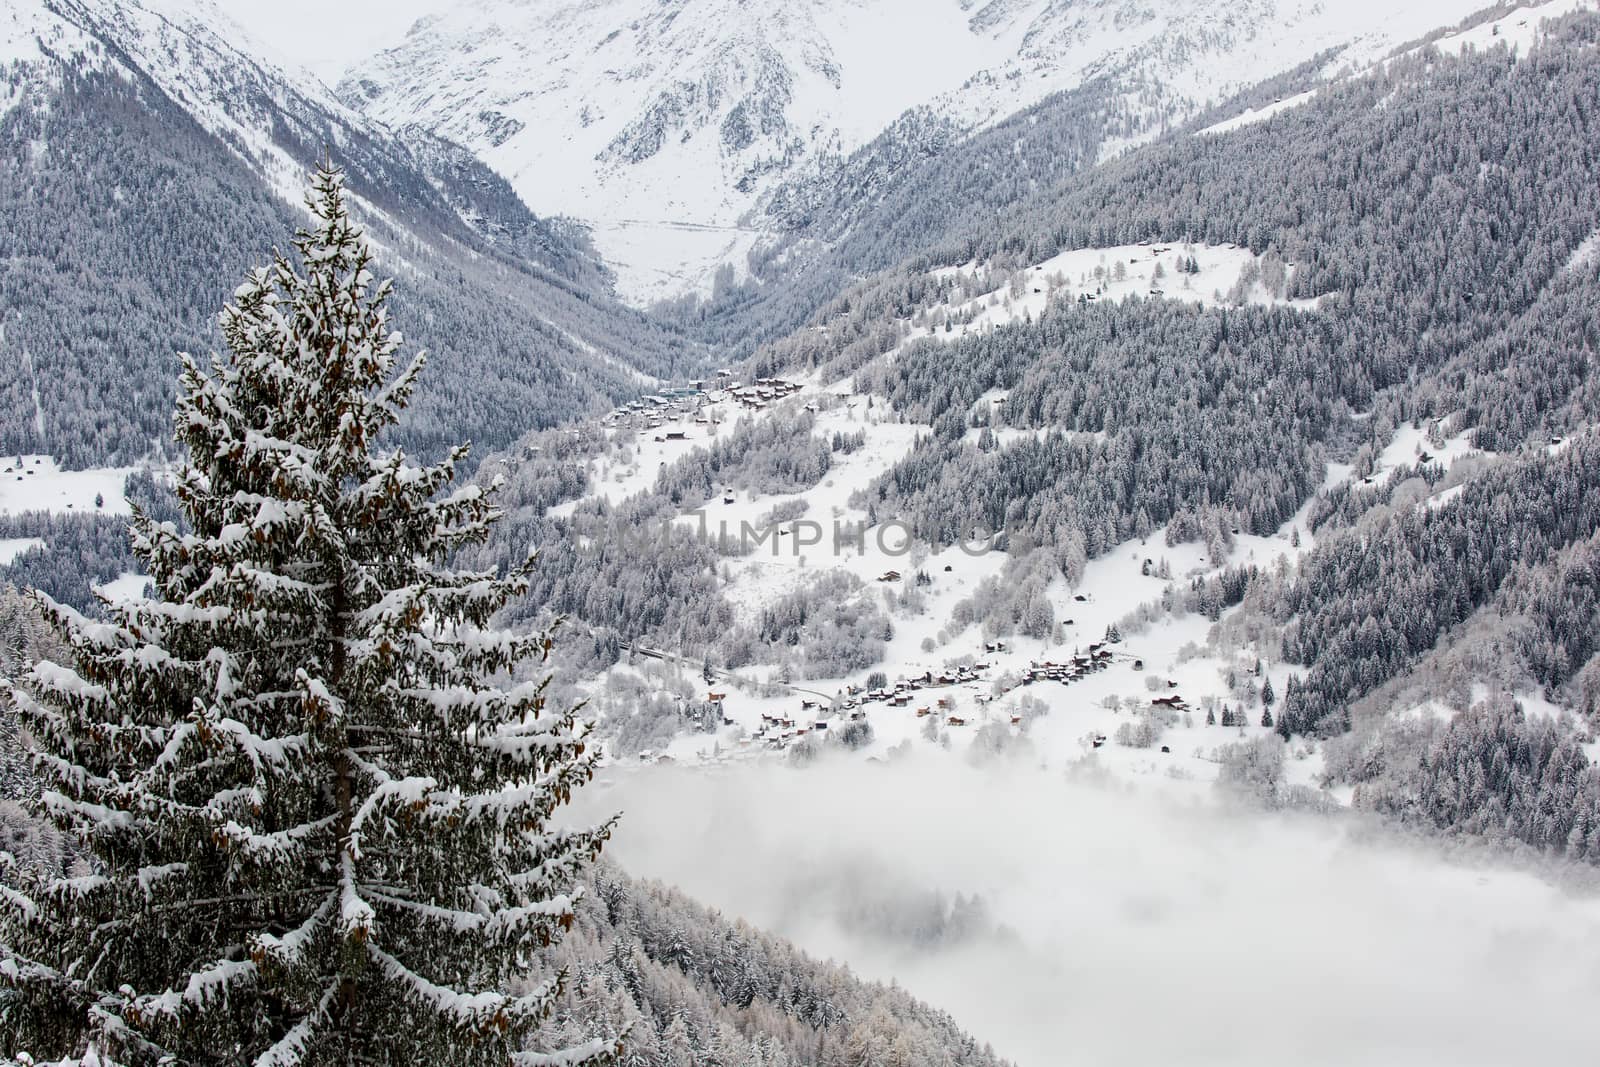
[(205, 988), (277, 847), (290, 1050), (287, 951), (473, 1012), (594, 1051)]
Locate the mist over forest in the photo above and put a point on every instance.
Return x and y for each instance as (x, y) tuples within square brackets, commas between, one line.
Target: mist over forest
[(1130, 925)]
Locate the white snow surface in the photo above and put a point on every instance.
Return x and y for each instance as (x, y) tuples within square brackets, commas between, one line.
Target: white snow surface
[(1517, 30), (1174, 650), (129, 585), (1585, 254), (223, 76), (40, 485), (1092, 273), (662, 123), (1173, 656), (1262, 113), (29, 29), (12, 547)]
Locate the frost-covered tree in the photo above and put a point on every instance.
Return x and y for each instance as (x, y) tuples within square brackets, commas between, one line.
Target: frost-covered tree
[(316, 830)]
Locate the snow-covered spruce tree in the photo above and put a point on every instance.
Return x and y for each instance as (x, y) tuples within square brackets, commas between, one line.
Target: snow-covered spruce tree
[(317, 833)]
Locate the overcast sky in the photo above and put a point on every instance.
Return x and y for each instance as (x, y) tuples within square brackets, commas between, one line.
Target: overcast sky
[(327, 36)]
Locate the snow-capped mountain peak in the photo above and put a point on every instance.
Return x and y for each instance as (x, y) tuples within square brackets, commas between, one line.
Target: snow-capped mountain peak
[(197, 55), (664, 122)]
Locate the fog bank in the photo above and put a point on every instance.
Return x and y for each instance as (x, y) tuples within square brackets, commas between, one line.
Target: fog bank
[(1125, 927)]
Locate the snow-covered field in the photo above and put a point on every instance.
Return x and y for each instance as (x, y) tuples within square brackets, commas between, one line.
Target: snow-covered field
[(12, 547), (1518, 29), (1174, 650), (126, 586), (1116, 272), (1585, 253), (40, 485), (658, 259), (1260, 114), (1169, 659), (28, 28)]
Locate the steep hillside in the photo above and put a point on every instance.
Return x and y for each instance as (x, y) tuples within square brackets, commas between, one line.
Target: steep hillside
[(146, 159), (699, 988), (1279, 432)]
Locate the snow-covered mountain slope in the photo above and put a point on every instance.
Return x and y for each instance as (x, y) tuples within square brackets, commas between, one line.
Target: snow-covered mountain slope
[(663, 123), (273, 116), (152, 152), (1516, 28), (824, 546), (200, 57)]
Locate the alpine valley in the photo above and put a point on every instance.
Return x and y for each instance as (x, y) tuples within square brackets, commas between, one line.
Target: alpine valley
[(1074, 525)]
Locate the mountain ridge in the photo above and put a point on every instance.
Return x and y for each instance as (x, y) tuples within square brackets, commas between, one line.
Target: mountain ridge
[(186, 154), (640, 117)]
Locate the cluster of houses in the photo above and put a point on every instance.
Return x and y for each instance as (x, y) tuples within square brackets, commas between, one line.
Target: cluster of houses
[(655, 411), (1074, 670), (676, 404), (902, 694), (816, 716), (665, 412), (777, 731), (944, 706), (761, 393)]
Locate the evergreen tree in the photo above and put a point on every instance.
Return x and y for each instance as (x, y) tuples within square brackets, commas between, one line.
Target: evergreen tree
[(316, 832)]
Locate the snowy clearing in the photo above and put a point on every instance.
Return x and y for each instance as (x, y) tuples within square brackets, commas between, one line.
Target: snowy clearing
[(1585, 253), (1209, 275), (1414, 446), (40, 485), (1260, 114), (1169, 661), (1518, 29), (661, 260), (12, 547), (126, 586), (1027, 688)]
